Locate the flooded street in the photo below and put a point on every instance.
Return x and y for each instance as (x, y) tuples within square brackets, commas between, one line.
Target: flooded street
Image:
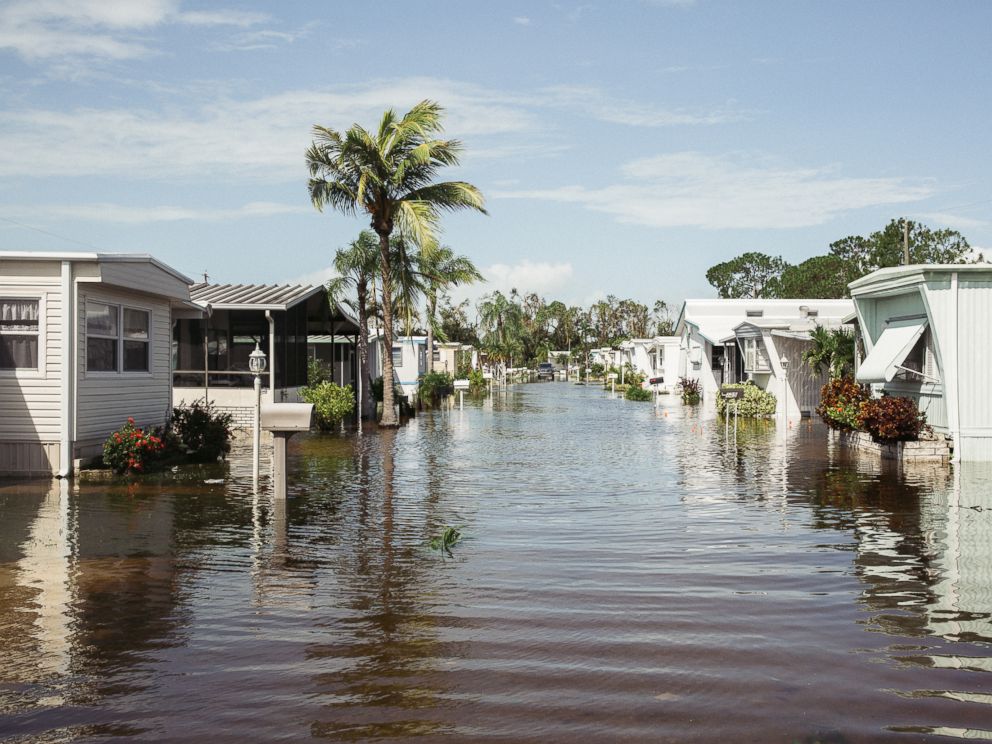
[(628, 574)]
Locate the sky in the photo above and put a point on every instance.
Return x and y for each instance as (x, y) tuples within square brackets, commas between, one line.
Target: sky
[(623, 146)]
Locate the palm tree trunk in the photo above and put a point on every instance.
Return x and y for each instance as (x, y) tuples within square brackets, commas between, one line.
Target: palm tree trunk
[(388, 414), (363, 348), (431, 307)]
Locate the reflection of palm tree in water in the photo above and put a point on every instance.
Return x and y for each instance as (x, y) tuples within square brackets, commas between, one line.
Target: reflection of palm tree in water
[(384, 633)]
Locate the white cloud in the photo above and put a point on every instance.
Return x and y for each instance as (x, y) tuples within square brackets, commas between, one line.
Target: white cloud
[(105, 29), (118, 213), (525, 276), (602, 107), (954, 221), (521, 20), (691, 189)]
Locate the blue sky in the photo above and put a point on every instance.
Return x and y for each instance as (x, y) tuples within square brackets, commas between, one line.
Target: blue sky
[(623, 146)]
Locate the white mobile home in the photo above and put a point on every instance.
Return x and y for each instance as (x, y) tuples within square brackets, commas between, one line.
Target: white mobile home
[(654, 357), (725, 341), (85, 343), (409, 361), (925, 330)]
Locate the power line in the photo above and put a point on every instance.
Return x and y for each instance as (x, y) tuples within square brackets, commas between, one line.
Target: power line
[(48, 232)]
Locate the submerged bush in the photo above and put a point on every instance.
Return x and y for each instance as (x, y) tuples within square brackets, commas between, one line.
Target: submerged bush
[(331, 402), (476, 382), (690, 390), (131, 449), (891, 419), (840, 403), (756, 402), (203, 433), (636, 392), (433, 386)]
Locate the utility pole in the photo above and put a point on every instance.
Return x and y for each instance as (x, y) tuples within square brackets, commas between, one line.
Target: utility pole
[(905, 242)]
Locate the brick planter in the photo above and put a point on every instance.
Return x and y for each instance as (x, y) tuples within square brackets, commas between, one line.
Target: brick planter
[(926, 450)]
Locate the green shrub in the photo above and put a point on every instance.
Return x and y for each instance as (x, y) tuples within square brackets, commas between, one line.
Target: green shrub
[(331, 402), (477, 382), (203, 434), (840, 403), (132, 450), (636, 392), (891, 419), (597, 370), (433, 386), (318, 371), (756, 402), (690, 390)]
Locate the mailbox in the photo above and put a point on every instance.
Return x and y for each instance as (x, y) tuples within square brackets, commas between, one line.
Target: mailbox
[(657, 381), (611, 376), (289, 417), (462, 384)]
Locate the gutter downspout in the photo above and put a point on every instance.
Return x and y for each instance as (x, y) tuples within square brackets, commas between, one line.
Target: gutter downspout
[(272, 356), (67, 371), (954, 397)]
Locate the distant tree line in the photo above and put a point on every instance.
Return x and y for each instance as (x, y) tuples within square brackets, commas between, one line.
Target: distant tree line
[(758, 275)]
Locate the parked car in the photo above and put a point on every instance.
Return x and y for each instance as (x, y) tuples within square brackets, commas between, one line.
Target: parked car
[(545, 371)]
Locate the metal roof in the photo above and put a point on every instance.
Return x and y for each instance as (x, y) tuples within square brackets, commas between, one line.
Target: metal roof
[(101, 257), (252, 296)]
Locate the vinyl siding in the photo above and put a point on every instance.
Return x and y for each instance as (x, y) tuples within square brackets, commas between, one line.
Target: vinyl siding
[(104, 401), (30, 401)]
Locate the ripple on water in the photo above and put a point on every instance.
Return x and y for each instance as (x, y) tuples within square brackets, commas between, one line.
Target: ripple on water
[(627, 574)]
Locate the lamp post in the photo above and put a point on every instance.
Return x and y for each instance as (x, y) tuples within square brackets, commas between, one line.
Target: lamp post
[(785, 388), (257, 364)]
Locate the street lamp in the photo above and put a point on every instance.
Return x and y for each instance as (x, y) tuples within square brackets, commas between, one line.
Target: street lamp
[(785, 387), (257, 364)]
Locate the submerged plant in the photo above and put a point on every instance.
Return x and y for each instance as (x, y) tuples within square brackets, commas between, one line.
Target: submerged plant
[(448, 538)]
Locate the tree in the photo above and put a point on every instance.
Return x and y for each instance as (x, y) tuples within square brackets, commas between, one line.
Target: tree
[(746, 276), (832, 349), (885, 248), (662, 314), (817, 278), (501, 321), (440, 268), (454, 322), (356, 266), (390, 176)]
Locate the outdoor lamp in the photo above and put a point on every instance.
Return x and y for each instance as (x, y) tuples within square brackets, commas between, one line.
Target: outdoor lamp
[(783, 361), (257, 361)]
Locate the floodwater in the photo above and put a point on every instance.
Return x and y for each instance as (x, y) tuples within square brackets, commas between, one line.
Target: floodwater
[(629, 574)]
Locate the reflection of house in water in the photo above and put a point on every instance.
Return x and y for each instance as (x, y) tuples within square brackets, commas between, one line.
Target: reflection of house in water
[(211, 355)]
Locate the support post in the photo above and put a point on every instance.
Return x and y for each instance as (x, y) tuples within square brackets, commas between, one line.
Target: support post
[(256, 431), (279, 464)]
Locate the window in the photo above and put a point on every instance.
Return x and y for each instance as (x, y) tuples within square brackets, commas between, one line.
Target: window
[(437, 355), (102, 337), (117, 338), (755, 356), (397, 356), (19, 332), (755, 313), (136, 338), (921, 362)]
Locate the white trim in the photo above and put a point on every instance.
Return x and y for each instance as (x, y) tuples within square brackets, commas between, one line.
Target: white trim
[(119, 372), (68, 388)]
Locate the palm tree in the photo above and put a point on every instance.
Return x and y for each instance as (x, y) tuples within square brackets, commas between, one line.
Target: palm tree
[(390, 176), (833, 349), (357, 266), (502, 325), (439, 269)]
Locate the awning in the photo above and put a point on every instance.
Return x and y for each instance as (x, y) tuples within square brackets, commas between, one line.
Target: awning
[(891, 350)]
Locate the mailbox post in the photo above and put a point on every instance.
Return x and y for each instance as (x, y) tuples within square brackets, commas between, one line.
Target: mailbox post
[(612, 377), (730, 394), (461, 386), (284, 420), (655, 382)]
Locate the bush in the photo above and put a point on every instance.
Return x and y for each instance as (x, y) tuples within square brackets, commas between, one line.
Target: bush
[(205, 435), (840, 403), (597, 370), (756, 402), (690, 390), (331, 403), (636, 392), (891, 419), (477, 382), (434, 385), (318, 371), (132, 450)]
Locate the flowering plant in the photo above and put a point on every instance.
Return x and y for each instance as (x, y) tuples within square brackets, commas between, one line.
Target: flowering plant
[(130, 449), (840, 403)]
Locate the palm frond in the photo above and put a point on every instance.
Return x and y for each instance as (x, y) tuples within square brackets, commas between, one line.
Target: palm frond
[(449, 196)]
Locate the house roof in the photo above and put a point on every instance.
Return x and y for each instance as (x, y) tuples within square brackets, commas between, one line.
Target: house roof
[(98, 257), (252, 296), (916, 271)]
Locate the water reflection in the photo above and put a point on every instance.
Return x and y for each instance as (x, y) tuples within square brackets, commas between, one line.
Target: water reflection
[(630, 570)]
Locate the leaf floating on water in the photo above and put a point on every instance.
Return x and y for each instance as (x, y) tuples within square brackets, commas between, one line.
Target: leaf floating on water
[(450, 537)]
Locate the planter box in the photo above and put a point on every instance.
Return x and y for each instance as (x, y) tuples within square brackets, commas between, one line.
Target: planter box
[(925, 450)]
